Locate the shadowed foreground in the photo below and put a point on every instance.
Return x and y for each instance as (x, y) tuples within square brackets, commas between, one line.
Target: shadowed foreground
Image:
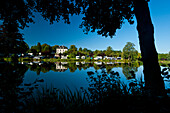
[(105, 94)]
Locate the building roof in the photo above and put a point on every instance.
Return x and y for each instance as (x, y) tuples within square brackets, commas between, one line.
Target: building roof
[(62, 47)]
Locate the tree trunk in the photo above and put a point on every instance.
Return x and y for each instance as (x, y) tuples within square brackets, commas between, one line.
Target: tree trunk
[(152, 73)]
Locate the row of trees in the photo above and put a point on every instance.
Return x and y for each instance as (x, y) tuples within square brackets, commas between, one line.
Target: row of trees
[(129, 51), (40, 48), (164, 56)]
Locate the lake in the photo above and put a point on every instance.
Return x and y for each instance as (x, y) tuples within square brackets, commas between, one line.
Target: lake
[(22, 80), (72, 75)]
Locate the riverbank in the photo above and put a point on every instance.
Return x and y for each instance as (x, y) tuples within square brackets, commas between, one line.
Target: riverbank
[(164, 62), (69, 60), (161, 62)]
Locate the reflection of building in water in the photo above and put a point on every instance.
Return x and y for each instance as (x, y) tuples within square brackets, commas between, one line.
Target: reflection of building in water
[(83, 62), (60, 68), (77, 63), (108, 63), (64, 63), (129, 72)]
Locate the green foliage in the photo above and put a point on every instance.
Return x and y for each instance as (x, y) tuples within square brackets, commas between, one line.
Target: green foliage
[(72, 55), (86, 51), (80, 49), (162, 56), (168, 56), (129, 51), (72, 52), (54, 48), (106, 16), (109, 50), (46, 48), (97, 52), (38, 47), (73, 48)]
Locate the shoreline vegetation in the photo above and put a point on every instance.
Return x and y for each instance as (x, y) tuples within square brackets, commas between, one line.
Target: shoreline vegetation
[(161, 62), (68, 60)]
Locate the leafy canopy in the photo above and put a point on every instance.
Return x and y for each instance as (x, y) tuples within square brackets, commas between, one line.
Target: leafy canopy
[(105, 16), (101, 16), (129, 51)]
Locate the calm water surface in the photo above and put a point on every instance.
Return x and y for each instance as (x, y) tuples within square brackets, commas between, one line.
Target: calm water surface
[(19, 82), (74, 75), (62, 75)]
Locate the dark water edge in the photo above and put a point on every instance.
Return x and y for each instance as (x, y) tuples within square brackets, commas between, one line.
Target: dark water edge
[(105, 92)]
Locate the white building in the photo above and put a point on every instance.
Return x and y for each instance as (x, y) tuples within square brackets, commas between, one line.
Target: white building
[(61, 49), (109, 58), (30, 54), (83, 57), (77, 57), (40, 53), (64, 57), (98, 58)]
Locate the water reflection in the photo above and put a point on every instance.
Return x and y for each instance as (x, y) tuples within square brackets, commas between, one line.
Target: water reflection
[(101, 77), (60, 66), (38, 67), (129, 70)]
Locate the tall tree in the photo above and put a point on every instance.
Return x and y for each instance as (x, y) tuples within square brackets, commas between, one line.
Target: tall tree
[(73, 48), (154, 81), (109, 51), (106, 16), (54, 48), (46, 48), (129, 51), (38, 47), (80, 49), (14, 16), (22, 48)]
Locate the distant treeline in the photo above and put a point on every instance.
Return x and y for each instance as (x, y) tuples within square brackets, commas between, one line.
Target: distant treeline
[(128, 52), (164, 56)]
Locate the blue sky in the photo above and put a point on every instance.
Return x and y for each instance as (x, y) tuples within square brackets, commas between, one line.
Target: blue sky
[(63, 34)]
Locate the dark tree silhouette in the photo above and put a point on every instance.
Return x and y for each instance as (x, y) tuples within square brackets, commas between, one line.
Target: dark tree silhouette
[(101, 16), (153, 80), (13, 15)]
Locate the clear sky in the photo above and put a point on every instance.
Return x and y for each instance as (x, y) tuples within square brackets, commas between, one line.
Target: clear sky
[(64, 34)]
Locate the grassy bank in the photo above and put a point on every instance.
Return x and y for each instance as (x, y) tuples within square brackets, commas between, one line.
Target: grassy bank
[(69, 60), (163, 62)]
